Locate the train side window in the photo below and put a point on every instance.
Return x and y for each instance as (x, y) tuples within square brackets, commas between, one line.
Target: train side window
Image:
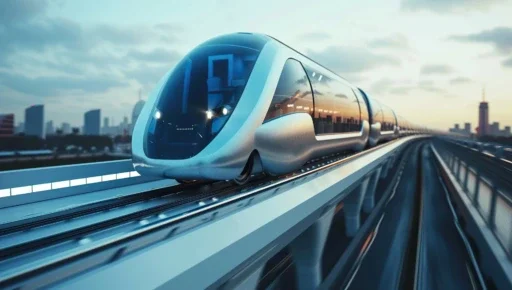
[(362, 105), (293, 92), (336, 106), (389, 120)]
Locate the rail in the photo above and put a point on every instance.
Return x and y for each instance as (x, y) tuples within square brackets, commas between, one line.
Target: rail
[(232, 244)]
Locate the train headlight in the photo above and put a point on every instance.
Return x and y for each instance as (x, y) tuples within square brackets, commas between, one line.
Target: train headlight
[(226, 110), (209, 114), (158, 115)]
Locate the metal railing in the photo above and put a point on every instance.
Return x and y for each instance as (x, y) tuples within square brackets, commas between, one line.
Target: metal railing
[(492, 203), (37, 184), (499, 151)]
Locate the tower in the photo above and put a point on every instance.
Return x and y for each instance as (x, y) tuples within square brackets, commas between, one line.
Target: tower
[(483, 116)]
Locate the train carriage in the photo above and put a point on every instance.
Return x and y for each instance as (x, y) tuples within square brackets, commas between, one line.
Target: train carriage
[(244, 103)]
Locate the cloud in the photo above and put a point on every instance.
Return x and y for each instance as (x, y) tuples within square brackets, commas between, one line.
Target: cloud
[(460, 80), (158, 55), (403, 90), (436, 69), (394, 87), (507, 62), (21, 10), (499, 37), (382, 85), (397, 41), (429, 86), (57, 86), (351, 59), (39, 35), (315, 36), (147, 75), (446, 6)]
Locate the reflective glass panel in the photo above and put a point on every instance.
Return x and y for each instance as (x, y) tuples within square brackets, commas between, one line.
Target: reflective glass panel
[(293, 92)]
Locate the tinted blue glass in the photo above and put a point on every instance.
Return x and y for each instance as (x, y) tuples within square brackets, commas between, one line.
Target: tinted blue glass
[(293, 92), (198, 99)]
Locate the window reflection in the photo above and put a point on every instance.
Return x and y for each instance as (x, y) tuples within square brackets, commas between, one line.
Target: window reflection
[(389, 120), (293, 92), (336, 106)]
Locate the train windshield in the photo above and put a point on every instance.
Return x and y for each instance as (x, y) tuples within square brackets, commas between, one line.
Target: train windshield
[(198, 98)]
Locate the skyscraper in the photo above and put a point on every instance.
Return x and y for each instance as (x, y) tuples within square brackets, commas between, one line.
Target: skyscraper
[(467, 128), (49, 128), (506, 131), (66, 128), (483, 117), (494, 129), (106, 126), (34, 121), (92, 122), (6, 125)]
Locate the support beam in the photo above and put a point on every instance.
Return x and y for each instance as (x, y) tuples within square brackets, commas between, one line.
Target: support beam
[(352, 208), (386, 168), (307, 250), (369, 197)]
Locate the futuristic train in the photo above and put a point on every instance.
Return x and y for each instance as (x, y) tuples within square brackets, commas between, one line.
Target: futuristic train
[(244, 103)]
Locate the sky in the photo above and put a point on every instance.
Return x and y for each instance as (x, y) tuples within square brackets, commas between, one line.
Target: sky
[(427, 59)]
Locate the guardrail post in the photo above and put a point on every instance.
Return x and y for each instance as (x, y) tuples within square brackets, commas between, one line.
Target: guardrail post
[(307, 250), (450, 160), (457, 170), (478, 179), (352, 208), (369, 197), (492, 211), (466, 177), (454, 164)]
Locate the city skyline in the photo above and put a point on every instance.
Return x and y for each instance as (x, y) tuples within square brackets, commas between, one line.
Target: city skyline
[(484, 128), (50, 127), (418, 57)]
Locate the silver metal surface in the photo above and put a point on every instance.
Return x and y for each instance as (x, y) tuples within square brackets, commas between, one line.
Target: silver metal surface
[(286, 143)]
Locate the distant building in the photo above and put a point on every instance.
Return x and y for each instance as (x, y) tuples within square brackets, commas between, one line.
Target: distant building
[(34, 121), (136, 112), (124, 126), (105, 130), (6, 125), (92, 122), (49, 128), (467, 128), (494, 129), (66, 128), (20, 128), (483, 117), (506, 132)]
